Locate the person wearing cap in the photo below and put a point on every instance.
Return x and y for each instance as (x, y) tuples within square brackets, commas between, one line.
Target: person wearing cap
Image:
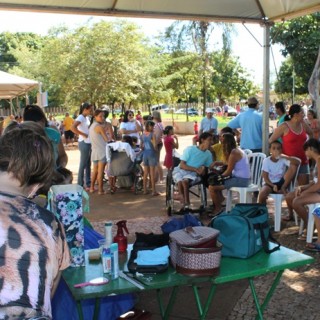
[(209, 123), (250, 123)]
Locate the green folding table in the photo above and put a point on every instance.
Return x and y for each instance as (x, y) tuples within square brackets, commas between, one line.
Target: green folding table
[(231, 269)]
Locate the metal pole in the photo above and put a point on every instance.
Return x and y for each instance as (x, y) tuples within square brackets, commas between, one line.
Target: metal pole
[(266, 88)]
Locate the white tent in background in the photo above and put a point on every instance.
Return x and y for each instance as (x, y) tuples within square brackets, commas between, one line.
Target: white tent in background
[(12, 86)]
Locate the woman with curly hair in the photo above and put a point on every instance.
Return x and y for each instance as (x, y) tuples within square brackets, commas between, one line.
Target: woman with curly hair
[(237, 167)]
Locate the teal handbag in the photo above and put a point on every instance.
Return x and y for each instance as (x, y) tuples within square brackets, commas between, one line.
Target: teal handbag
[(244, 231)]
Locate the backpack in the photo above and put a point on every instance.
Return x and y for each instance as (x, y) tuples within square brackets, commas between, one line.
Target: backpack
[(244, 231)]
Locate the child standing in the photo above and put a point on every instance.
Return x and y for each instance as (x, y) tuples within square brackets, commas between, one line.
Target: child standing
[(98, 140), (277, 171), (170, 142), (195, 139), (149, 145)]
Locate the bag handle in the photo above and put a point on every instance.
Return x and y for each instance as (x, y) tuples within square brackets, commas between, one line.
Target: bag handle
[(49, 207), (85, 196), (265, 243)]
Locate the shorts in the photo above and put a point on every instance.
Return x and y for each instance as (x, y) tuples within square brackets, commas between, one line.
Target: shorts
[(179, 174), (304, 169), (69, 134), (236, 182), (316, 212), (279, 184), (149, 160), (104, 160)]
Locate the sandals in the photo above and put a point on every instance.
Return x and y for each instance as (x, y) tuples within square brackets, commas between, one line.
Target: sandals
[(315, 247), (113, 190), (302, 237)]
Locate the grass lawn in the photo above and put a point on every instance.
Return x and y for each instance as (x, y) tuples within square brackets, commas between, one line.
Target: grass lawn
[(222, 122)]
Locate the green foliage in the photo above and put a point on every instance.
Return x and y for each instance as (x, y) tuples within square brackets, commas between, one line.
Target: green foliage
[(113, 63), (300, 38), (229, 78)]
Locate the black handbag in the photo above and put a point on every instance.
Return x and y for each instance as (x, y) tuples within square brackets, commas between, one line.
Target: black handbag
[(216, 179), (147, 242)]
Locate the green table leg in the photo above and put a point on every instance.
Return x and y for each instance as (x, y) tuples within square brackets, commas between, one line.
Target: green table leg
[(203, 311), (165, 312), (96, 309), (261, 308), (79, 308)]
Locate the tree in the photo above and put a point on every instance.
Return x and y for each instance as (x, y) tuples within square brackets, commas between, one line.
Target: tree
[(180, 35), (183, 74), (102, 63), (229, 78), (300, 38)]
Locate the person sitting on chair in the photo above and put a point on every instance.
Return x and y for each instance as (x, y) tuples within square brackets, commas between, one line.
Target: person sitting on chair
[(237, 167), (278, 170), (194, 161)]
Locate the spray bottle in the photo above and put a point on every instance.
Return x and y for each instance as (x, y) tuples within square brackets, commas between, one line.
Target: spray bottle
[(120, 238)]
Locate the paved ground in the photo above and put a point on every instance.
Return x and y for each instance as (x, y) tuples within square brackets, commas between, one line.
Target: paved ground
[(295, 298)]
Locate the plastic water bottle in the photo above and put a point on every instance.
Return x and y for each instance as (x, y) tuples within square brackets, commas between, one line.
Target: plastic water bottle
[(114, 261), (106, 251)]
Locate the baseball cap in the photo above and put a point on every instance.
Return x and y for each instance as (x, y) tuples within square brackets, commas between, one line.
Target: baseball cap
[(209, 110), (253, 100)]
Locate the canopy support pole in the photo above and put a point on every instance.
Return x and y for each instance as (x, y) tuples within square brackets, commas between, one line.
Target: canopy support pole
[(266, 88)]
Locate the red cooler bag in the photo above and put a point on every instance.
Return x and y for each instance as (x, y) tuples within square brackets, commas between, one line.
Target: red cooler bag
[(194, 251)]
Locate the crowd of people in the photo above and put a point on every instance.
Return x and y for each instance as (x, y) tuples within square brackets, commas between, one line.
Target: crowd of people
[(33, 157), (294, 151)]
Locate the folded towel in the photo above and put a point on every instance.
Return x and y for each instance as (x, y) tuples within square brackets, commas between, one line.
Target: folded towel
[(153, 257)]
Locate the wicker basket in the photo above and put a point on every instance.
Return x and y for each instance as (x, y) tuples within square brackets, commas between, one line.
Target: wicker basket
[(194, 251)]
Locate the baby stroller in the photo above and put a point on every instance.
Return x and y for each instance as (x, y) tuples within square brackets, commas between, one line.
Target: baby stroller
[(198, 188), (122, 164)]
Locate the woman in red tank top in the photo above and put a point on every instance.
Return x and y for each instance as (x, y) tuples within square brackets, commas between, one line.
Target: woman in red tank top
[(294, 133)]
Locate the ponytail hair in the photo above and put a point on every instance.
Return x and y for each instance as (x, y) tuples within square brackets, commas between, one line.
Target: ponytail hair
[(295, 108), (85, 105), (167, 129)]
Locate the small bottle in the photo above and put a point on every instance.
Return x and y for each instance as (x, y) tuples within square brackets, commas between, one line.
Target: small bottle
[(114, 261), (106, 251), (108, 233)]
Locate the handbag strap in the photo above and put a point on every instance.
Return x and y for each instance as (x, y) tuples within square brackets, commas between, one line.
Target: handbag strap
[(265, 242), (85, 196), (49, 207)]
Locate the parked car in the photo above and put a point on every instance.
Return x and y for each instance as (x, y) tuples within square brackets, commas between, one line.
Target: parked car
[(160, 107), (191, 111), (232, 112)]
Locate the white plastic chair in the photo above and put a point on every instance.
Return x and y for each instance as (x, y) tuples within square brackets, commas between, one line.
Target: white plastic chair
[(255, 160), (310, 226), (247, 151), (278, 198)]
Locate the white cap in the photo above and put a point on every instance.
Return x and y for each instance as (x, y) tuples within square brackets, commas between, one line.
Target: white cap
[(209, 110)]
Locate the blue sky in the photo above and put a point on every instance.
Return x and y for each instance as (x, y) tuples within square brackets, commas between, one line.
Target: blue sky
[(244, 44)]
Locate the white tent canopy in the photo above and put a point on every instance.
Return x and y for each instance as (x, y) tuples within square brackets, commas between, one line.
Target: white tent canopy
[(212, 10), (264, 12), (12, 86)]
